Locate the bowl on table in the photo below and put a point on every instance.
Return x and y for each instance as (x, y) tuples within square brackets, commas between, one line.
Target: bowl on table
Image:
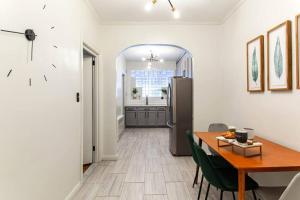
[(241, 136)]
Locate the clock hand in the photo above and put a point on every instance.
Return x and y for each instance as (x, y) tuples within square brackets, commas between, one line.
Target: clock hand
[(29, 33), (31, 50), (12, 32)]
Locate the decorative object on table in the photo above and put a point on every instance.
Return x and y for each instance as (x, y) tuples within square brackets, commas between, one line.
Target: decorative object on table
[(248, 145), (134, 93), (232, 129), (229, 135), (280, 57), (298, 49), (241, 136), (255, 64), (250, 133)]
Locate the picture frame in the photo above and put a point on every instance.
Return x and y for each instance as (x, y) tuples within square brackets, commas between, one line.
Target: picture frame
[(255, 64), (279, 57), (297, 21)]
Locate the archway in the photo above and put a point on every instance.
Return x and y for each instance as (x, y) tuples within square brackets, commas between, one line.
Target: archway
[(143, 75)]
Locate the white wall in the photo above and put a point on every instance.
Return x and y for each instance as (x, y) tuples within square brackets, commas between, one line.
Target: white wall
[(130, 83), (274, 115), (201, 41), (184, 66), (40, 125), (120, 71)]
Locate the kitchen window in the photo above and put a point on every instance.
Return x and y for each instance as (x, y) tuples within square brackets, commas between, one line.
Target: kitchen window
[(151, 81)]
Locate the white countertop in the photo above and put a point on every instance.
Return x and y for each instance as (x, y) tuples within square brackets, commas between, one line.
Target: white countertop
[(141, 105)]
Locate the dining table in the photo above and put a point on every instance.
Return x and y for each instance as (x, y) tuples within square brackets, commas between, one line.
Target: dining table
[(274, 157)]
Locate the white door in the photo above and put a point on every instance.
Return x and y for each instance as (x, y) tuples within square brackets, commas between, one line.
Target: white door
[(87, 110)]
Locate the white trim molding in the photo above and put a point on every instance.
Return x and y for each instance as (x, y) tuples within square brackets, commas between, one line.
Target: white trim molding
[(74, 191), (110, 157)]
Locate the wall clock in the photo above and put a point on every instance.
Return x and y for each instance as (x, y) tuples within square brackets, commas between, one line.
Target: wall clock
[(37, 38)]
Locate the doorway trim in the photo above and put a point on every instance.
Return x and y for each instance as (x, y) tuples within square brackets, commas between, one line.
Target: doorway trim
[(97, 125)]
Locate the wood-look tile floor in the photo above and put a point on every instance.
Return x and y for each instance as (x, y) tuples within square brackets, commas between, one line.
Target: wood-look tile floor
[(146, 170)]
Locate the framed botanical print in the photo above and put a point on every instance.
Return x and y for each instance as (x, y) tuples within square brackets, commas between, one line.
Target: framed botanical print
[(255, 64), (280, 57), (298, 49)]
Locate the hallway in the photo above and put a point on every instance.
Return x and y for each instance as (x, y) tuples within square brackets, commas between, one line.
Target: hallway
[(145, 170)]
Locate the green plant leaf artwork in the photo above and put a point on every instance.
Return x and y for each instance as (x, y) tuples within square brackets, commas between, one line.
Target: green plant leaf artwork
[(254, 66), (278, 59)]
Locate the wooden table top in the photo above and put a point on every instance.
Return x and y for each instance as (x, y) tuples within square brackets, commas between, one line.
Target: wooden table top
[(274, 157)]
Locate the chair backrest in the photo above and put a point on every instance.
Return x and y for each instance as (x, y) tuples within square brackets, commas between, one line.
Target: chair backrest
[(216, 127), (292, 192), (207, 168), (191, 140)]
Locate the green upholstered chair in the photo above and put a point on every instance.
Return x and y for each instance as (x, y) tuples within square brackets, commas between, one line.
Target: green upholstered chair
[(225, 179), (218, 162)]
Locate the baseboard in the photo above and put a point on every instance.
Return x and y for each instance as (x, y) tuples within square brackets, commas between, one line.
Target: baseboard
[(74, 191), (110, 157)]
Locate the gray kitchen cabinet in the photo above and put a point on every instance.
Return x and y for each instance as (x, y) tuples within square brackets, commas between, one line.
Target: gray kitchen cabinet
[(145, 116), (161, 118), (152, 118), (142, 118), (131, 118)]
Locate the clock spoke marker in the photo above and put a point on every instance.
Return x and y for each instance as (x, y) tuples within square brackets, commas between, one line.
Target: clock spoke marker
[(9, 73), (44, 7), (53, 27), (55, 46), (30, 82), (53, 66), (45, 78)]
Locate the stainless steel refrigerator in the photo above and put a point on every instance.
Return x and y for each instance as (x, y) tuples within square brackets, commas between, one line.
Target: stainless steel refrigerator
[(180, 107)]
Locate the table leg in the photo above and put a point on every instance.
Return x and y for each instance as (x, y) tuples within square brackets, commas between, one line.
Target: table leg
[(241, 192)]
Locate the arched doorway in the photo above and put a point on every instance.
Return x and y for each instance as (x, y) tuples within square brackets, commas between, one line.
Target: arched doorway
[(144, 74)]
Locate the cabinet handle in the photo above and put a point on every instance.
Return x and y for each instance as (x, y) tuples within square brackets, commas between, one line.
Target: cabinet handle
[(135, 114)]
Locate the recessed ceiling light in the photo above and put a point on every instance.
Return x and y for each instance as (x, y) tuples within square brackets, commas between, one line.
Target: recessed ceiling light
[(143, 59), (161, 60)]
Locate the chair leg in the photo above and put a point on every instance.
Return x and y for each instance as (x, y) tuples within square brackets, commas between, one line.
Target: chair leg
[(233, 195), (221, 197), (254, 195), (196, 176), (207, 191), (200, 187)]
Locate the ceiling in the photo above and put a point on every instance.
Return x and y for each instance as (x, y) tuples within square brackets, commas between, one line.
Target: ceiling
[(193, 11), (166, 52)]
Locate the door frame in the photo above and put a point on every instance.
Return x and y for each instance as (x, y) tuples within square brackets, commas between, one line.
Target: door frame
[(97, 119)]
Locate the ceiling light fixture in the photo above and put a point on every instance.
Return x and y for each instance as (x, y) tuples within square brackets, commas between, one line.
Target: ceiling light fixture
[(153, 58), (149, 6)]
